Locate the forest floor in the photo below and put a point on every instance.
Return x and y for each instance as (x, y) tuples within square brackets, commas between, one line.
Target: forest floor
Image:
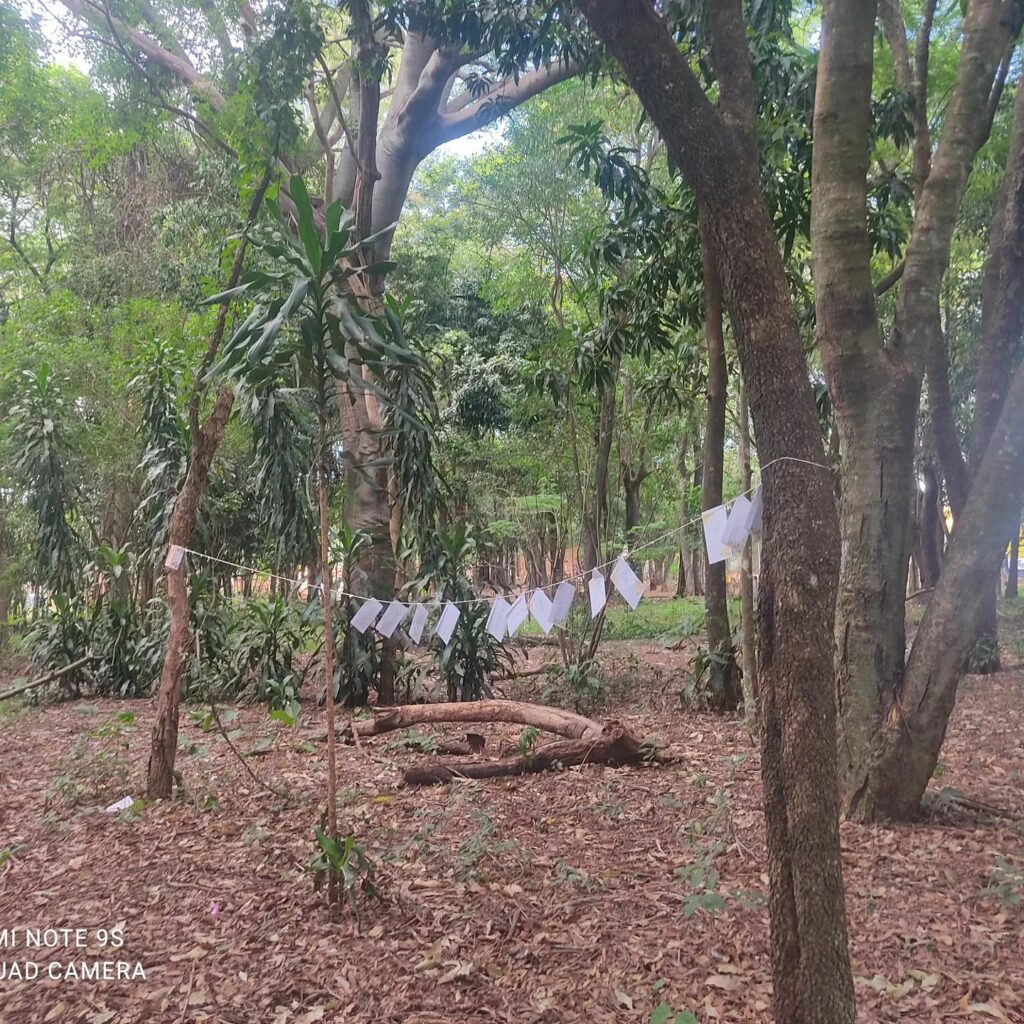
[(588, 895)]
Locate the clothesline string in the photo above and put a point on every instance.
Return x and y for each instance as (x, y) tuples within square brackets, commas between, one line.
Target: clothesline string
[(477, 600)]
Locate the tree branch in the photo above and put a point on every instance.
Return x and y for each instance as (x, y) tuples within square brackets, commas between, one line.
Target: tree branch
[(498, 101)]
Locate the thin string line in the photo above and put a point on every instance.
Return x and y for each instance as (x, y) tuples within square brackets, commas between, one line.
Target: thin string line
[(515, 595)]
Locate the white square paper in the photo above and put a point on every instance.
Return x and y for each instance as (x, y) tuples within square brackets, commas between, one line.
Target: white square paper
[(540, 607), (597, 593), (736, 527), (565, 594), (498, 618), (518, 613), (419, 622), (174, 556), (392, 618), (715, 521), (366, 615), (627, 583), (447, 623)]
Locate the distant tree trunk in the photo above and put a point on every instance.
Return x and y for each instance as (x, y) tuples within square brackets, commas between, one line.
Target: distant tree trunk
[(1011, 569), (716, 602), (749, 641), (681, 574), (929, 528), (597, 520)]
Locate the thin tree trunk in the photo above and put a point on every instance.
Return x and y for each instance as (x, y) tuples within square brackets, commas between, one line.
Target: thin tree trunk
[(205, 441), (716, 603), (749, 640), (1011, 569), (325, 593)]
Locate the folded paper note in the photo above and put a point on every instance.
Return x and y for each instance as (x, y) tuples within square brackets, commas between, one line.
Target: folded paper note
[(518, 613), (498, 618), (756, 513), (540, 607), (627, 583), (736, 531), (420, 613), (121, 805), (446, 624), (392, 618), (715, 520), (565, 594), (597, 594), (174, 556), (366, 615)]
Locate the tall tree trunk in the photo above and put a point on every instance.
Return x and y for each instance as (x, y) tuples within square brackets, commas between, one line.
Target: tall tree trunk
[(716, 151), (716, 604), (596, 522), (205, 441), (929, 527), (749, 641)]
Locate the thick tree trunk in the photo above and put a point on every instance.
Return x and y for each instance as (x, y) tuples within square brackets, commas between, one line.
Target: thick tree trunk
[(716, 151), (908, 746), (716, 604)]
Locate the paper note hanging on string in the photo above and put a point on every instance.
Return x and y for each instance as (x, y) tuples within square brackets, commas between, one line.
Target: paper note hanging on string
[(498, 618), (392, 618), (755, 514), (419, 622), (518, 613), (562, 604), (446, 624), (366, 616), (597, 594), (735, 532), (174, 556), (540, 607), (715, 520), (627, 583)]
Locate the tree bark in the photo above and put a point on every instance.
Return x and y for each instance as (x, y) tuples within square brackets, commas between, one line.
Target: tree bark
[(716, 605), (716, 151), (749, 641), (205, 441)]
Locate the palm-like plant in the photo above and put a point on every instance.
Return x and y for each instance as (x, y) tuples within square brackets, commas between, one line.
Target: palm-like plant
[(40, 463)]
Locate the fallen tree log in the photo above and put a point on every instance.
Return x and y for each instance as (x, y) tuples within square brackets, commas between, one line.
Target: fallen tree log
[(562, 723), (614, 746), (48, 678)]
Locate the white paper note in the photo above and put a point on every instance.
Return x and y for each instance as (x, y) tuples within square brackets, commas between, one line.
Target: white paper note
[(446, 624), (121, 805), (597, 594), (518, 613), (366, 615), (392, 618), (627, 583), (498, 618), (715, 520), (736, 528), (756, 512), (419, 622), (562, 605), (540, 607), (174, 556)]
